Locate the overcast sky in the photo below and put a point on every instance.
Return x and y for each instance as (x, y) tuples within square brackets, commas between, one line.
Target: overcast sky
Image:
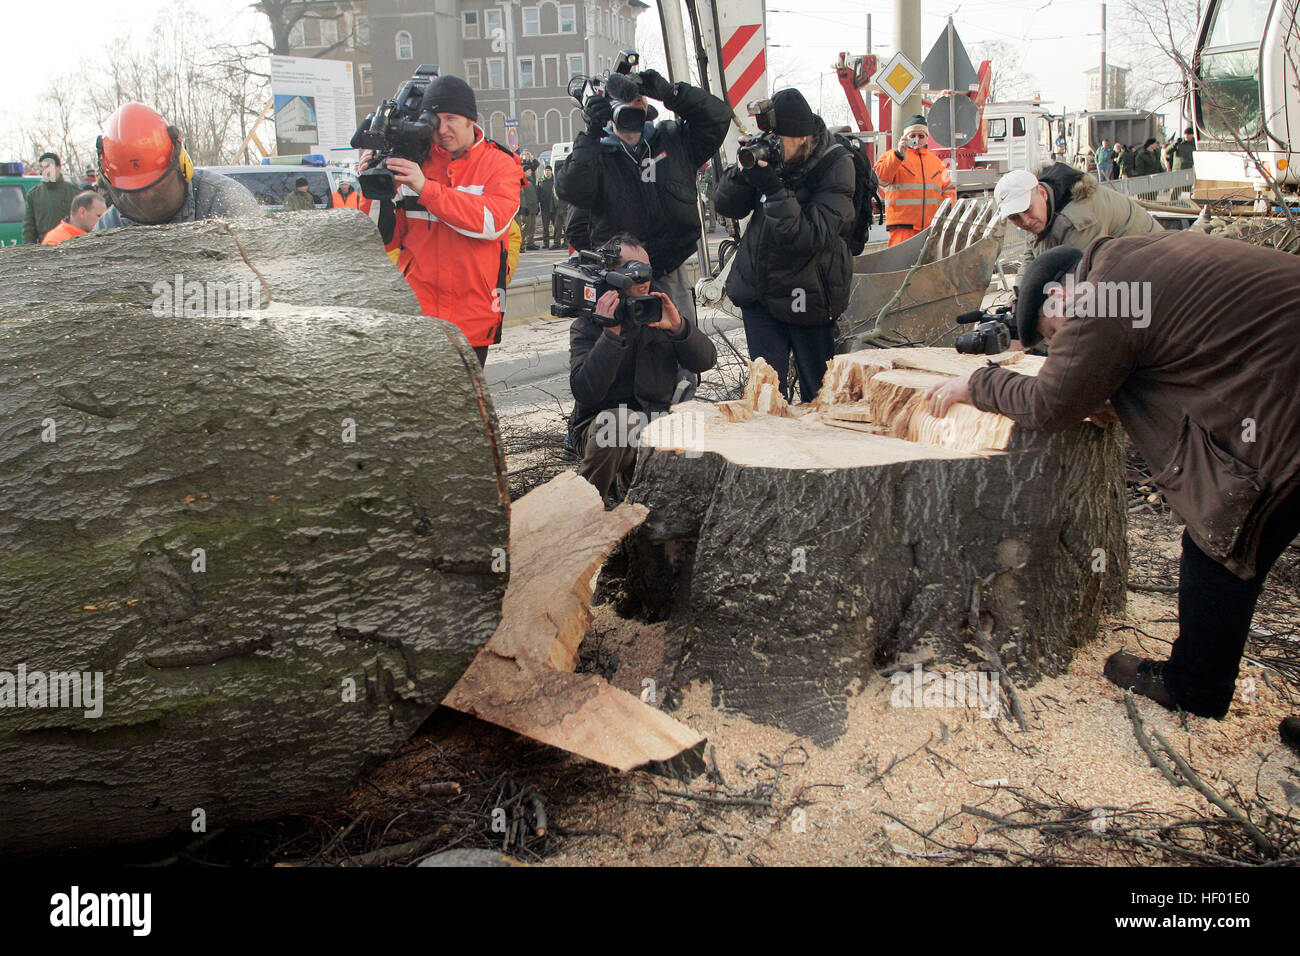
[(1057, 39)]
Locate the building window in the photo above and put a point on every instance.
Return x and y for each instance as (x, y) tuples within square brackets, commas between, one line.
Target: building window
[(532, 21), (367, 77), (329, 32), (296, 35), (527, 76), (551, 70), (568, 18), (497, 125), (576, 66), (310, 31), (474, 74), (363, 31), (528, 129), (405, 49), (553, 129), (469, 24), (496, 69), (492, 24)]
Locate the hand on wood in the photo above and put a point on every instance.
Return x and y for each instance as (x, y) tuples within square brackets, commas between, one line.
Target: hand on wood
[(948, 393), (407, 173)]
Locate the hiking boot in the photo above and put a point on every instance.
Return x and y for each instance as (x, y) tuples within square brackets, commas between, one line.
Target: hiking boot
[(1140, 675), (1289, 729)]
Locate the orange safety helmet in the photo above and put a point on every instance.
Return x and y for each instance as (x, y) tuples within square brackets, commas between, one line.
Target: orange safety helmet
[(138, 147)]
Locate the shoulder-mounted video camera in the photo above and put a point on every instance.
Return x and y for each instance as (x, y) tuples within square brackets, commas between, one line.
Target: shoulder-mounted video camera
[(766, 146), (403, 127), (622, 85), (993, 335), (578, 284)]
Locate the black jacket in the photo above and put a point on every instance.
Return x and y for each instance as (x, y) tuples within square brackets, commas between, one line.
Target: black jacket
[(661, 208), (637, 369), (793, 258)]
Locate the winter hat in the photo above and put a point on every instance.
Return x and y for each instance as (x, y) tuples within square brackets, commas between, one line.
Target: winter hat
[(1050, 267), (450, 94), (916, 124), (1014, 192), (794, 117), (300, 181)]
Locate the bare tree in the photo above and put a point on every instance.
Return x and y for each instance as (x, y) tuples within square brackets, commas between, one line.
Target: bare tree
[(1010, 80), (284, 15)]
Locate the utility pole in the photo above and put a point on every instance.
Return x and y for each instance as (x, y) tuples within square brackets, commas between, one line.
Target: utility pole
[(1102, 79), (952, 95), (907, 38)]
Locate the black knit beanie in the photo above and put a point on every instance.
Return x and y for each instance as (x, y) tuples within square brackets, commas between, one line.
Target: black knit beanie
[(450, 94), (794, 117)]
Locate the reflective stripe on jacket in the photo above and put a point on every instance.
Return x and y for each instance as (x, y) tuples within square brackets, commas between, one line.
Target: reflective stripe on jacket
[(453, 237), (914, 187)]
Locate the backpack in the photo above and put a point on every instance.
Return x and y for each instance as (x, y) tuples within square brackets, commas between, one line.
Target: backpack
[(866, 189)]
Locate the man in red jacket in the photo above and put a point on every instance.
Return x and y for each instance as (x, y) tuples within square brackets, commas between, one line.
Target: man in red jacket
[(451, 220)]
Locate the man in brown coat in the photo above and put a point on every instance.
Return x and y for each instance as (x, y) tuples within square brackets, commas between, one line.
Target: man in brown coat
[(1194, 343)]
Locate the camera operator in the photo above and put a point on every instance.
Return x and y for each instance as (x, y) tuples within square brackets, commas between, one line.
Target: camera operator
[(791, 274), (451, 220), (638, 177), (621, 372)]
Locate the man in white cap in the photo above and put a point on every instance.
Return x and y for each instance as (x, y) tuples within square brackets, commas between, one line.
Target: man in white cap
[(1064, 207)]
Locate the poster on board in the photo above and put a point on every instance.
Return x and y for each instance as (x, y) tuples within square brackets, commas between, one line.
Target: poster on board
[(315, 104)]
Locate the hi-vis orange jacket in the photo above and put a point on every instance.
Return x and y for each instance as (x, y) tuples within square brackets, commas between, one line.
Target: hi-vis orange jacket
[(913, 187), (352, 202), (453, 238)]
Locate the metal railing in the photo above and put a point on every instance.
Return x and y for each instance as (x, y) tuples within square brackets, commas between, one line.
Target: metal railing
[(1158, 187)]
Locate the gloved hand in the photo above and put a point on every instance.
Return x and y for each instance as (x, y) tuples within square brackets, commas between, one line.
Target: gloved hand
[(765, 179), (655, 85), (598, 113)]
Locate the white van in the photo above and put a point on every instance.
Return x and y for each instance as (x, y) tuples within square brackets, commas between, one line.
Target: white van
[(271, 184)]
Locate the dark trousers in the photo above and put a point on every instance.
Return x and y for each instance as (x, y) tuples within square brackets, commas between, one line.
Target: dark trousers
[(1214, 611), (548, 219), (773, 340), (481, 352)]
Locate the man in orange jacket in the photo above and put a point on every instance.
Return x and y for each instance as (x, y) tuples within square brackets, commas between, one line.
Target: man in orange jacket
[(915, 182), (87, 207), (451, 219), (344, 197)]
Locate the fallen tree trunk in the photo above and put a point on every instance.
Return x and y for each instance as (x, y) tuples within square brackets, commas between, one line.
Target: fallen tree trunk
[(275, 540), (796, 554)]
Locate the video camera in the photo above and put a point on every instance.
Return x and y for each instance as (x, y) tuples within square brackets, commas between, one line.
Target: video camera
[(766, 147), (622, 85), (578, 284), (403, 127), (993, 335)]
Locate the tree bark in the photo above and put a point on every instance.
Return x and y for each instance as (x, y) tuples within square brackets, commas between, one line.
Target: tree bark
[(338, 466), (796, 556)]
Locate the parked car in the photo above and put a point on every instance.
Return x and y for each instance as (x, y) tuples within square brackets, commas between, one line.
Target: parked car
[(270, 184), (13, 203)]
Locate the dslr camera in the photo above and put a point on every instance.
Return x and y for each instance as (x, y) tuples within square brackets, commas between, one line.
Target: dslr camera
[(766, 147), (622, 85), (577, 285), (403, 127), (992, 335)]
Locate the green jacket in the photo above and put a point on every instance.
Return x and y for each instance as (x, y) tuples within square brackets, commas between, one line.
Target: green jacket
[(1126, 160), (47, 204), (298, 202), (528, 200), (1183, 152), (1147, 163), (546, 195)]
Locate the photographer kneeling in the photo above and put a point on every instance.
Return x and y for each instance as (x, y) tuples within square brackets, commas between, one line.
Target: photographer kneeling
[(792, 271), (623, 370)]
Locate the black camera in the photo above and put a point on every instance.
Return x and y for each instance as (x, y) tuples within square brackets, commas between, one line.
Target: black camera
[(577, 285), (766, 147), (622, 85), (403, 127), (992, 336)]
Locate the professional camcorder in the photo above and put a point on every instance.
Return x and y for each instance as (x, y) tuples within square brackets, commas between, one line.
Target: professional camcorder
[(622, 85), (403, 127), (577, 285), (766, 147), (993, 334)]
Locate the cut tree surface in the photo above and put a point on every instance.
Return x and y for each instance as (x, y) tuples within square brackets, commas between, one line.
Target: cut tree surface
[(269, 536), (794, 554), (560, 533)]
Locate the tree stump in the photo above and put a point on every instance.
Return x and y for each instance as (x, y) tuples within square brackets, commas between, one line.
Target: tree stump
[(797, 553), (278, 539)]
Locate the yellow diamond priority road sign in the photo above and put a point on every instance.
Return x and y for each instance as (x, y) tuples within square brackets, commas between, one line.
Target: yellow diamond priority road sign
[(900, 78)]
